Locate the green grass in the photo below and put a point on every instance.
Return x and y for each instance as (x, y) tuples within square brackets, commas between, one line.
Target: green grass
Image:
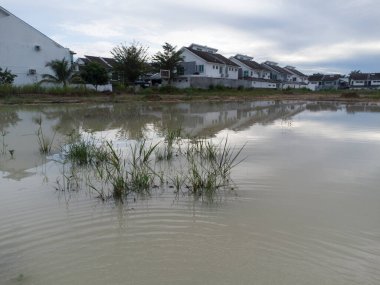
[(45, 143), (201, 170), (8, 90)]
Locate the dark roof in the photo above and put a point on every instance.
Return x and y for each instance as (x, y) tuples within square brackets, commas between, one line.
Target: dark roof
[(276, 68), (365, 76), (213, 57), (296, 72), (332, 77), (98, 60), (374, 76), (85, 60), (111, 61), (251, 64), (324, 77)]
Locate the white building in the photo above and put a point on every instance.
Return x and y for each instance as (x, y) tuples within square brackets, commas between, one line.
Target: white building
[(365, 80), (204, 61), (252, 71), (25, 50)]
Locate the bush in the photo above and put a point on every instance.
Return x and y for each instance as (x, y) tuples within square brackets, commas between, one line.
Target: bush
[(6, 77)]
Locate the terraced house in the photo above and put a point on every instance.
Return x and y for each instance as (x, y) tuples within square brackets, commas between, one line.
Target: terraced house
[(365, 80), (254, 72), (326, 81), (204, 61)]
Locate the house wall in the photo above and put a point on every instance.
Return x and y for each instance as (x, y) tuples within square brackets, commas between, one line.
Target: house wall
[(210, 69), (18, 50), (357, 82), (261, 84), (246, 69), (313, 86), (375, 82), (265, 75)]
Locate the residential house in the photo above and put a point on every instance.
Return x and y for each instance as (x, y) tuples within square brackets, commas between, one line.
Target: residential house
[(25, 51), (326, 81), (108, 63), (365, 80), (295, 75), (276, 72), (204, 61), (254, 72)]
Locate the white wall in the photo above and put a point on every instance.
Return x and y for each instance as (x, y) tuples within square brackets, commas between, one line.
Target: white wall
[(18, 52), (358, 82), (313, 86), (251, 72), (261, 84), (210, 69)]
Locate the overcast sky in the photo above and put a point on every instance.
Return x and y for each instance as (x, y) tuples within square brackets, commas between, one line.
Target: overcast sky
[(313, 35)]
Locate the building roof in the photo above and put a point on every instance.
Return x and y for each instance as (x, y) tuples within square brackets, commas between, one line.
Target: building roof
[(365, 76), (325, 77), (212, 57), (107, 63), (294, 71), (374, 76), (274, 67), (250, 63)]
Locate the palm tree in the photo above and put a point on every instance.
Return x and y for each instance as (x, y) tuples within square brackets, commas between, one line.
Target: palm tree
[(64, 72)]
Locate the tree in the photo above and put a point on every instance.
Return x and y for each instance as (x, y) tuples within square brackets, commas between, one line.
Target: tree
[(64, 73), (6, 76), (169, 59), (131, 60), (95, 74), (355, 72)]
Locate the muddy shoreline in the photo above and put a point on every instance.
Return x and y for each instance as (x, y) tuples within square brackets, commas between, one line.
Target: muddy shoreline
[(165, 98)]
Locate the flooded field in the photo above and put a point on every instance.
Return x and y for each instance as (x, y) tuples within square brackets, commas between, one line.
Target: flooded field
[(301, 208)]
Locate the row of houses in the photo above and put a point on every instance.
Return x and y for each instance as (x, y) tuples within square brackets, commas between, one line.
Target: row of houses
[(25, 51), (203, 62)]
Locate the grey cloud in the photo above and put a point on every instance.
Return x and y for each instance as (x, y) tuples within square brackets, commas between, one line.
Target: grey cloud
[(290, 26)]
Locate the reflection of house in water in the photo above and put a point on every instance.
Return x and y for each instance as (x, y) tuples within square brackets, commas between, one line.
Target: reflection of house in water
[(199, 119)]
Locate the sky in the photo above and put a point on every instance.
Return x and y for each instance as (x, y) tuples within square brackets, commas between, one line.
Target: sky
[(335, 36)]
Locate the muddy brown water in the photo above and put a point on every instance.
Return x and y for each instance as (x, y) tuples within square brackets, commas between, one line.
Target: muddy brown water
[(305, 210)]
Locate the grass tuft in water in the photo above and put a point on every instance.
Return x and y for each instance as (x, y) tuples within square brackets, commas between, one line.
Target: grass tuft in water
[(45, 143)]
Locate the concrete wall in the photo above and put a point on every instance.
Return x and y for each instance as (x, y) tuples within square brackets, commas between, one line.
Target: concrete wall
[(206, 82), (23, 48)]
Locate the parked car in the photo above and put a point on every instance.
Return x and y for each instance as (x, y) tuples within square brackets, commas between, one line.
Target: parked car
[(142, 83)]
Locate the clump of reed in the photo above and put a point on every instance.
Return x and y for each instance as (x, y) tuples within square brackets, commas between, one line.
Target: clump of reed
[(201, 170), (85, 151), (45, 143), (210, 165), (171, 137)]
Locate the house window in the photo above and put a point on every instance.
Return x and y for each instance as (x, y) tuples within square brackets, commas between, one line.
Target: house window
[(251, 73), (200, 68), (180, 70), (245, 73), (217, 67)]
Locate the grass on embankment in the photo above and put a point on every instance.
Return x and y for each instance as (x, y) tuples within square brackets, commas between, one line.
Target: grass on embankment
[(30, 94)]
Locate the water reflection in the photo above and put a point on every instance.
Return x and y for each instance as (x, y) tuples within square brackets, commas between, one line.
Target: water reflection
[(135, 121), (306, 210)]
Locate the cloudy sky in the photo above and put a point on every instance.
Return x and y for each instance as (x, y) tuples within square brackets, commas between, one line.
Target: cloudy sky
[(313, 35)]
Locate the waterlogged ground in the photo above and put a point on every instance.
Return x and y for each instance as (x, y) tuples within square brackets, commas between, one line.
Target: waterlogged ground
[(305, 210)]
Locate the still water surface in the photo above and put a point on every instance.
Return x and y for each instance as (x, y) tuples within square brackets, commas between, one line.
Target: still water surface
[(305, 211)]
